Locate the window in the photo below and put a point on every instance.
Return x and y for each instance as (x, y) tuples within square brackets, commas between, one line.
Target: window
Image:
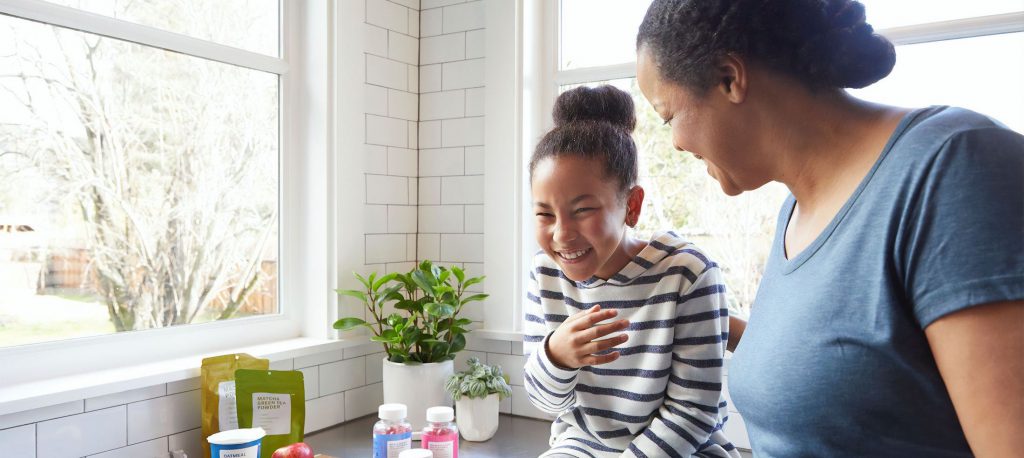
[(139, 186), (947, 53), (200, 128)]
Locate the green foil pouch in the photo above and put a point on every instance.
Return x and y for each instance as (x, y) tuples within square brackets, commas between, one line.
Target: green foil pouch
[(274, 401)]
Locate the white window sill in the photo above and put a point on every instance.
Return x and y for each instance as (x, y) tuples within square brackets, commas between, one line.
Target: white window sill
[(487, 334), (38, 394)]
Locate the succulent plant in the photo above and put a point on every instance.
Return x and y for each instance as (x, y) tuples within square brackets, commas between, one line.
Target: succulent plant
[(478, 381)]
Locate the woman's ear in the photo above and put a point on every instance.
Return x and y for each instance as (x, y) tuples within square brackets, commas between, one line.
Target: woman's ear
[(733, 78), (634, 203)]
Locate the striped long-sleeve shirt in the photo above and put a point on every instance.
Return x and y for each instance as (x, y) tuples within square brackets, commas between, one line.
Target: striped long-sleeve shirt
[(663, 395)]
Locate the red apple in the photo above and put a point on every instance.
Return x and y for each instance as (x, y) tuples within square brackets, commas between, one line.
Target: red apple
[(296, 450)]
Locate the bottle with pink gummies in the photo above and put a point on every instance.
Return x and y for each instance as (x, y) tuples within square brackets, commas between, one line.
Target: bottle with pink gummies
[(441, 436)]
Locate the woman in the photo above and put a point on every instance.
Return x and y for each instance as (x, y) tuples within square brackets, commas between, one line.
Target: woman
[(890, 319)]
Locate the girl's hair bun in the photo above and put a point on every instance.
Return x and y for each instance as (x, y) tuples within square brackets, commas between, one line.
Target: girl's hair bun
[(600, 104)]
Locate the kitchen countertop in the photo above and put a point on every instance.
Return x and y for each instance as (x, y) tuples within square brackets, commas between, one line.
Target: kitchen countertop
[(517, 437)]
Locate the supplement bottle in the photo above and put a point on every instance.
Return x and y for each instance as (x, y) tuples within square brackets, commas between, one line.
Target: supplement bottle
[(392, 434), (441, 436)]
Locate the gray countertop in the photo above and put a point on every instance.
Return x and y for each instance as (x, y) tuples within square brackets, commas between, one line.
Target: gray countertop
[(517, 437)]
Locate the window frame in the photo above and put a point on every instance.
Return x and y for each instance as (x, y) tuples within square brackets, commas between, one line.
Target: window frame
[(306, 222)]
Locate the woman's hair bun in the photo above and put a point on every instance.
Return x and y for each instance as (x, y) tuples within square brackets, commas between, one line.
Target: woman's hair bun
[(601, 104), (850, 54)]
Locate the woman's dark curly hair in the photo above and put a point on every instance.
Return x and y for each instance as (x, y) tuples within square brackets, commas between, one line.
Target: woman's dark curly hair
[(823, 43), (594, 123)]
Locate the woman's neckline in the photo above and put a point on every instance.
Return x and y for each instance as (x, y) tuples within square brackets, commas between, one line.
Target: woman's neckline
[(791, 264)]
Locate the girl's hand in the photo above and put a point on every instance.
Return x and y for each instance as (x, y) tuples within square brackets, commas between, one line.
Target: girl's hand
[(575, 342)]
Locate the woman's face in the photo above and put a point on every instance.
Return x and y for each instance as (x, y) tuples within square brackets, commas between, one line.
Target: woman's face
[(580, 218), (707, 125)]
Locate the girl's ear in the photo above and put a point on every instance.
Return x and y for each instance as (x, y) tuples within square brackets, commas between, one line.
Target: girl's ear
[(634, 203)]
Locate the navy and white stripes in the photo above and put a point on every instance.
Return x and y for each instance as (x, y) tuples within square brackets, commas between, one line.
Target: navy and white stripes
[(662, 397)]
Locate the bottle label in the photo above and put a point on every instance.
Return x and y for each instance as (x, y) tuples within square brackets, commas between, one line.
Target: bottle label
[(390, 445), (272, 412), (444, 449), (227, 414)]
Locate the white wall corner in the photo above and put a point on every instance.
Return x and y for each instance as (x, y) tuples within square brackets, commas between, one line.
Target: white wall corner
[(502, 153), (348, 152)]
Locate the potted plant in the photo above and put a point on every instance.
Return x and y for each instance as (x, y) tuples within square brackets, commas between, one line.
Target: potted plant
[(477, 391), (422, 336)]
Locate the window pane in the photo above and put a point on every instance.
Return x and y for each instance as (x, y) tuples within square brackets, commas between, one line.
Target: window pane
[(883, 14), (680, 196), (599, 32), (252, 25), (975, 73), (138, 187)]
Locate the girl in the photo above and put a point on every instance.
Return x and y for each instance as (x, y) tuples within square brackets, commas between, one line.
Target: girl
[(625, 337)]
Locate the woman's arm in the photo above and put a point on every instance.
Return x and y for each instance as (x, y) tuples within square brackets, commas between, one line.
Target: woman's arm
[(980, 355), (736, 327)]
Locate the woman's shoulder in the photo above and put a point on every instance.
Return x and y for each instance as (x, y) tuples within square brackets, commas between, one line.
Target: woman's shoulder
[(938, 139), (936, 126)]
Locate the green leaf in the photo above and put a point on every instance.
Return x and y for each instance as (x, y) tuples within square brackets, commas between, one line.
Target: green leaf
[(411, 306), (345, 324), (457, 330), (475, 297), (421, 280), (381, 339), (382, 280), (351, 292), (459, 274), (410, 335), (444, 276), (463, 322), (362, 280), (439, 310), (458, 343), (472, 281), (394, 319), (439, 350)]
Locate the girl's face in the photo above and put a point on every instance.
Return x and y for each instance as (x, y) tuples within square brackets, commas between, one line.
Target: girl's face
[(707, 125), (580, 218)]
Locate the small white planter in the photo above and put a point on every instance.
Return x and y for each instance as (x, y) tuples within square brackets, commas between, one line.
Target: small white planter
[(418, 386), (477, 418)]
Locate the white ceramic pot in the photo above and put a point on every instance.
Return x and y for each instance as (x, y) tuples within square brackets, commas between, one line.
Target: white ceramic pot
[(477, 418), (418, 386)]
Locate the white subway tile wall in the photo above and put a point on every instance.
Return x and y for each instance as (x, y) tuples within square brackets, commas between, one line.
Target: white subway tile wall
[(19, 441), (392, 147), (82, 434)]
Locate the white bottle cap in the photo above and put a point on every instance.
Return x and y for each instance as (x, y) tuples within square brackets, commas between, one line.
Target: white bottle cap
[(393, 412), (416, 453), (440, 413)]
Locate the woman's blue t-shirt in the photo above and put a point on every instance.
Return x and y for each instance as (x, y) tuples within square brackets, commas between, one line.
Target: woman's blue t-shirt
[(834, 361)]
